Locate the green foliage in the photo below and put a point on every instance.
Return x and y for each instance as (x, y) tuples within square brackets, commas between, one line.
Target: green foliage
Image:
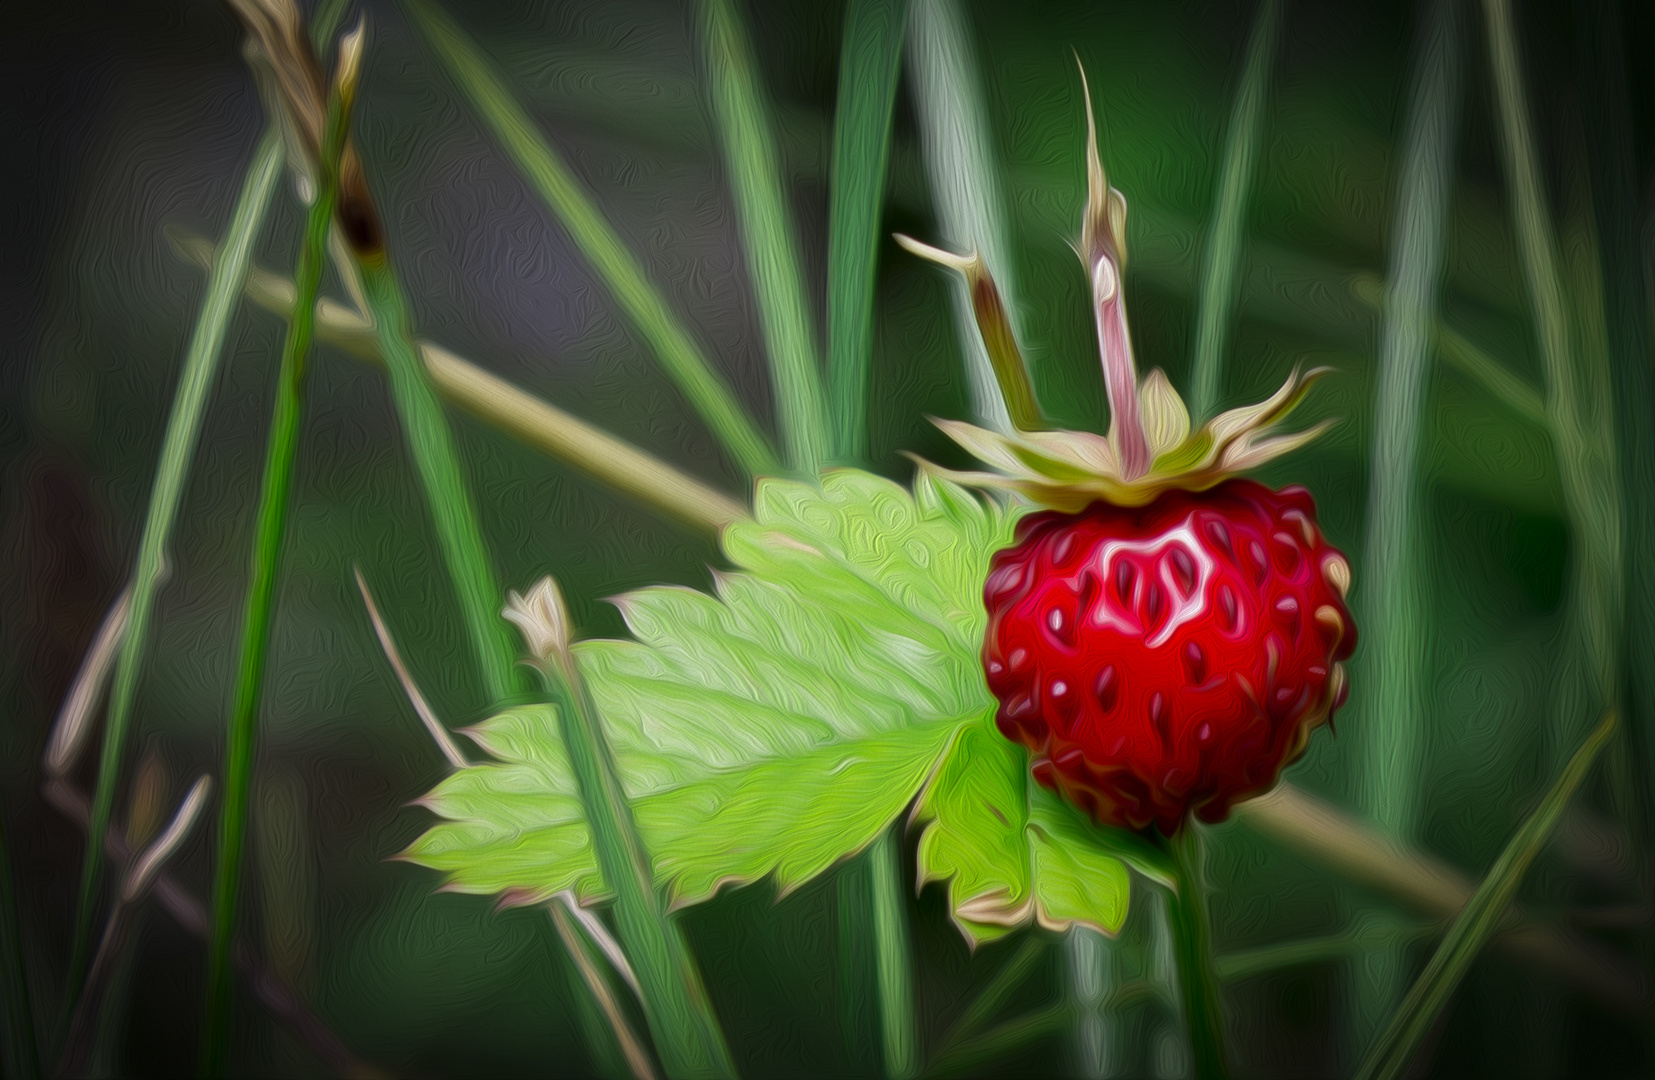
[(781, 725)]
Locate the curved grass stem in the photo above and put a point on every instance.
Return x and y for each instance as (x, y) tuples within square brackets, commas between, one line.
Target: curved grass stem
[(229, 268), (674, 998), (280, 451)]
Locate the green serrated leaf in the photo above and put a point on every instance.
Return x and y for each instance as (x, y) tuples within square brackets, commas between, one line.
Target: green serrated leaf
[(975, 839), (1076, 878), (778, 726)]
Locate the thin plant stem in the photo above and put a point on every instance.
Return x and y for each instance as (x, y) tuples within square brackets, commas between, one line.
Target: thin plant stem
[(768, 237), (597, 240), (177, 448), (893, 959), (1397, 628), (869, 61), (1393, 1051), (269, 532), (675, 1001), (1192, 949), (1222, 260)]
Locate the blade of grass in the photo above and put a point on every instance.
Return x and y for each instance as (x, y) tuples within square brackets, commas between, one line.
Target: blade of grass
[(1373, 931), (1509, 389), (225, 281), (991, 997), (675, 1001), (280, 452), (893, 958), (870, 54), (1223, 254), (1001, 1040), (177, 449), (602, 246), (1397, 626), (448, 495), (22, 1059), (1390, 1055), (1584, 464), (1611, 168), (858, 1007), (613, 462), (772, 250), (1374, 859), (965, 186)]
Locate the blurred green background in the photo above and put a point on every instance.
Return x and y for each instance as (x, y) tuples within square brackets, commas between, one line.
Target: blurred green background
[(127, 118)]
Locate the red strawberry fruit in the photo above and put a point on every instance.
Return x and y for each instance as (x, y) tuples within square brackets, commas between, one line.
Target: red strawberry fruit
[(1172, 658), (1166, 636)]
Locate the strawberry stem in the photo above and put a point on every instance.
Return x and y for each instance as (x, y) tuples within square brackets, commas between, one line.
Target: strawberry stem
[(1192, 946)]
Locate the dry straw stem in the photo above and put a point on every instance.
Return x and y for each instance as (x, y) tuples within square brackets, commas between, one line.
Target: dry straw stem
[(428, 717), (1373, 858), (616, 463), (278, 998), (74, 720), (637, 1059)]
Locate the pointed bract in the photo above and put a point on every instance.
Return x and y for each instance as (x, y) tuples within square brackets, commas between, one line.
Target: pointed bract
[(1069, 470)]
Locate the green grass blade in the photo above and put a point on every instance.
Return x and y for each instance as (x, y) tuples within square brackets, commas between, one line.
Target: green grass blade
[(1611, 166), (1578, 421), (858, 1019), (965, 186), (1223, 256), (893, 959), (274, 497), (869, 60), (768, 236), (177, 448), (675, 1001), (431, 444), (22, 1060), (1397, 626), (989, 1000), (1391, 1054), (615, 264)]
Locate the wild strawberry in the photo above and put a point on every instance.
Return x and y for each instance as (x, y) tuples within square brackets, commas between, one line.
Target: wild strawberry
[(1172, 658), (1165, 637)]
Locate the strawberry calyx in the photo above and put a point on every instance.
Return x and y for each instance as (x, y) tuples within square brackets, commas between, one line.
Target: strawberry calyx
[(1152, 446)]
